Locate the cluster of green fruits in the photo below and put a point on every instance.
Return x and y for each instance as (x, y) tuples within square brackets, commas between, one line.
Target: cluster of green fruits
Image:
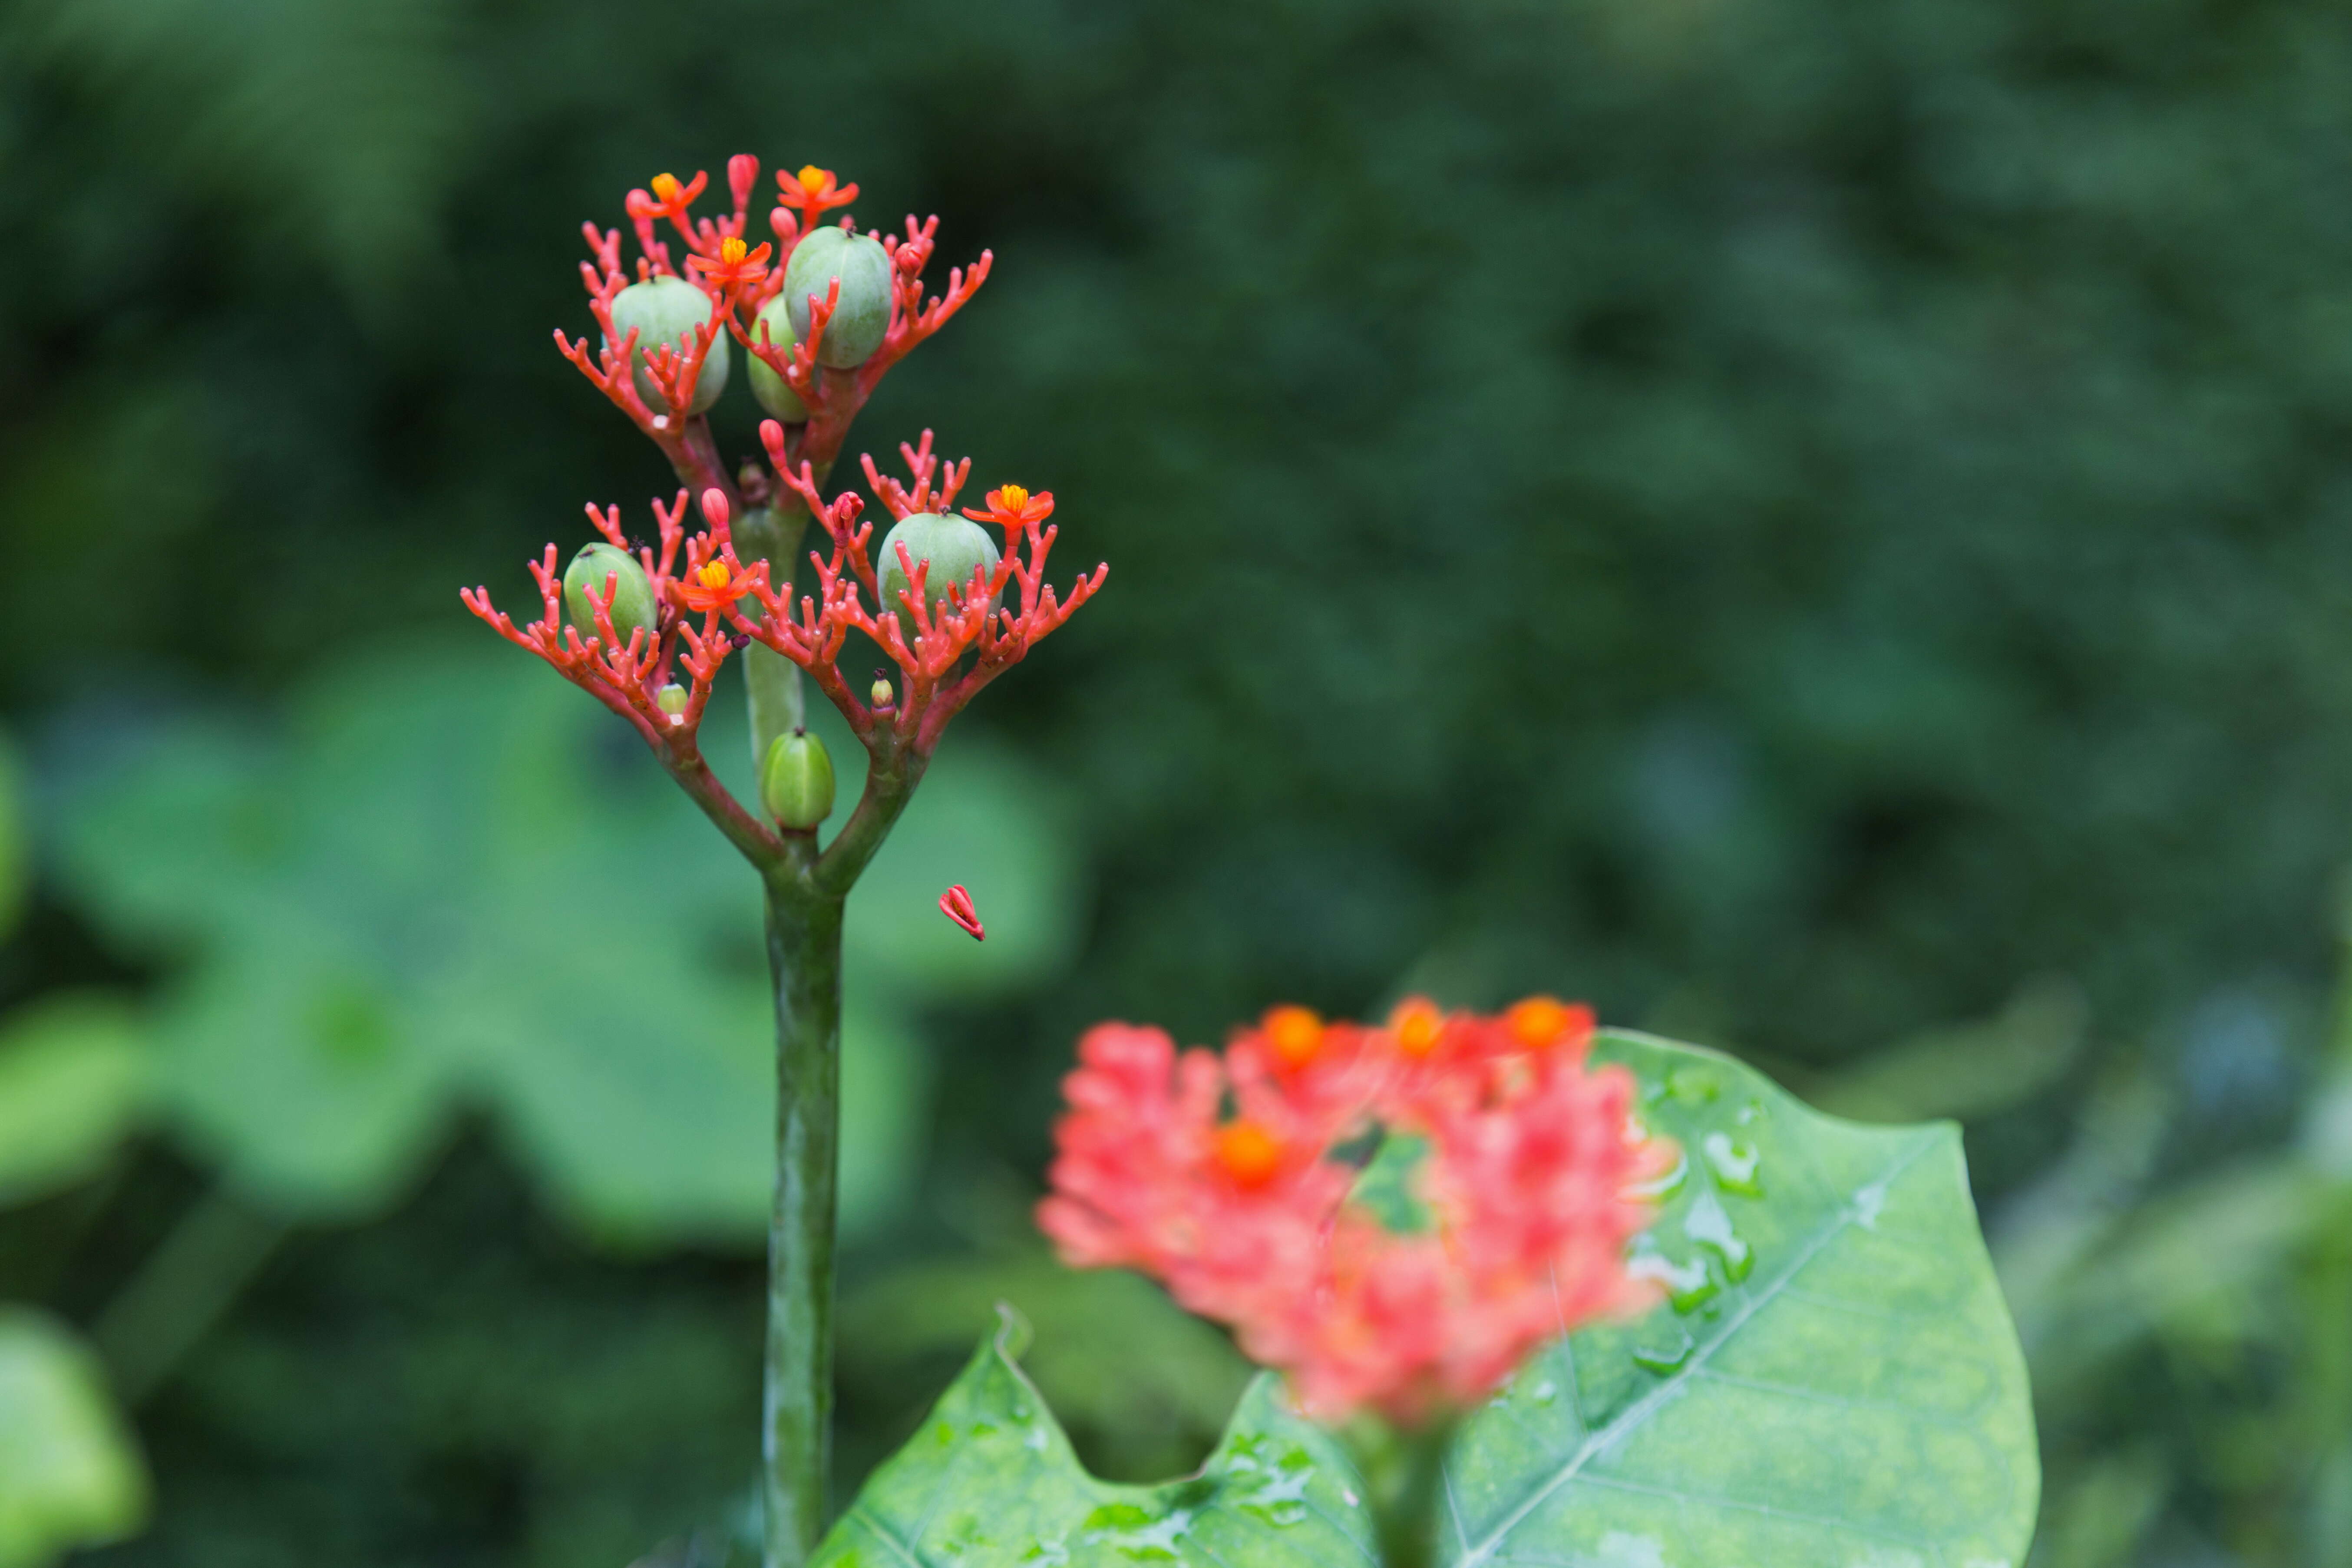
[(669, 310)]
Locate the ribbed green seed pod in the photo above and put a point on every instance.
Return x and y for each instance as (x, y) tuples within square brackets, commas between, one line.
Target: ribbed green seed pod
[(633, 595), (796, 780), (863, 315), (668, 310), (773, 391), (955, 546)]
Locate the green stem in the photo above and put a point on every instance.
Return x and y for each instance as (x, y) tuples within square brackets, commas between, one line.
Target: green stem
[(1404, 1474), (183, 1289), (796, 1447), (773, 682)]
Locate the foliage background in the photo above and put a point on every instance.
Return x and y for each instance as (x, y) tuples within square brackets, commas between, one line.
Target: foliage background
[(1820, 527)]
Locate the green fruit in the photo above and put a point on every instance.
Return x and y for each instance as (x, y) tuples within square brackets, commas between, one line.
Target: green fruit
[(668, 310), (796, 780), (633, 594), (863, 314), (672, 698), (955, 546), (774, 393)]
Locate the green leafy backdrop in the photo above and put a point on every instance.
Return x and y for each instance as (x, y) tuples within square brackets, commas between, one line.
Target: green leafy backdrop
[(1809, 525)]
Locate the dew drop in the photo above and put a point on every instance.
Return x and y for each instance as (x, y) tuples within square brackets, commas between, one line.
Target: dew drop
[(1706, 1224), (1734, 1164), (1688, 1285), (1666, 1354)]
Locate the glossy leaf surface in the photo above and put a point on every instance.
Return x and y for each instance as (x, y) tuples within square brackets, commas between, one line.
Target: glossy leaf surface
[(989, 1478), (1834, 1383)]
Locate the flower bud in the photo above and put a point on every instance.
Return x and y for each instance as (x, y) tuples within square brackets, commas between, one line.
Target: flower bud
[(670, 310), (633, 594), (671, 699), (774, 393), (955, 546), (863, 314), (879, 694), (796, 780)]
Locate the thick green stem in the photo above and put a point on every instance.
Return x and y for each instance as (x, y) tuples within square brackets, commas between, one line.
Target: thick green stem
[(778, 704), (796, 1447), (1404, 1477)]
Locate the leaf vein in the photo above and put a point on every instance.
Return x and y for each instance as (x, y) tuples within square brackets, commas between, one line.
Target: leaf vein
[(1633, 1415)]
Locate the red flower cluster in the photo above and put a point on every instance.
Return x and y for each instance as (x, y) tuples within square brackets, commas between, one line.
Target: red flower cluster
[(627, 675), (1255, 1216), (971, 616), (739, 278), (659, 674)]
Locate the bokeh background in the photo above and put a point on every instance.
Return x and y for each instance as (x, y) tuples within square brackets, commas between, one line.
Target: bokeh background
[(1823, 527)]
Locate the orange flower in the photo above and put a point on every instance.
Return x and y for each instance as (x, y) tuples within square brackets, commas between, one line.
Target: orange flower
[(715, 584), (736, 264), (812, 192), (1013, 509)]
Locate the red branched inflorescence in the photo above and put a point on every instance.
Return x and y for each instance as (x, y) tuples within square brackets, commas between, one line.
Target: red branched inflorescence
[(1223, 1177), (974, 617), (626, 674), (708, 601), (738, 278)]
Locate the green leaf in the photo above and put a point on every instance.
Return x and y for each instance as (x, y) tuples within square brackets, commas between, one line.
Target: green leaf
[(988, 1480), (73, 1078), (68, 1474), (454, 882), (1836, 1381)]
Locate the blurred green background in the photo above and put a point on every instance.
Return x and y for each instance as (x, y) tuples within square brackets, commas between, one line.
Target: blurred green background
[(1823, 527)]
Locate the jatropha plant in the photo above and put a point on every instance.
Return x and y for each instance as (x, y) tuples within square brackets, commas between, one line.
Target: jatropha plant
[(821, 313), (1528, 1290)]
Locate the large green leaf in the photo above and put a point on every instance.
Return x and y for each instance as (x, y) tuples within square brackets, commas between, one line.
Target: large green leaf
[(1836, 1381), (68, 1474), (73, 1081), (990, 1478), (456, 882), (1833, 1382)]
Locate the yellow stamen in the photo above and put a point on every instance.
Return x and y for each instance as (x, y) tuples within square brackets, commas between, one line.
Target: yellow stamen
[(814, 180), (1417, 1024), (666, 187), (733, 250), (1537, 1021), (1010, 498), (713, 575), (1295, 1033), (1249, 1154)]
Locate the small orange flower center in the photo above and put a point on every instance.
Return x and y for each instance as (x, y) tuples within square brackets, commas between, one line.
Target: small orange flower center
[(733, 250), (1010, 498), (713, 575), (1417, 1024), (666, 187), (1248, 1152), (815, 181), (1537, 1021), (1296, 1033)]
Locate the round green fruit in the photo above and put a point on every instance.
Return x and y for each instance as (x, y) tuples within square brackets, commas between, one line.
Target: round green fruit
[(863, 314), (955, 546), (796, 780), (632, 593), (670, 310), (774, 393)]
